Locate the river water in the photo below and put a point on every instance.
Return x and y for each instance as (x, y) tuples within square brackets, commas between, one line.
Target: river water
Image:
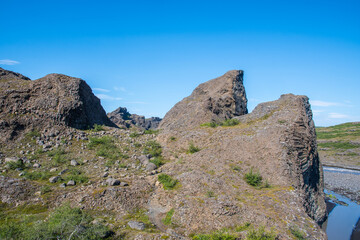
[(343, 221)]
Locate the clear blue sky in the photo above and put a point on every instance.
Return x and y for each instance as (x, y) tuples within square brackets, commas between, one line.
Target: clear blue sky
[(148, 55)]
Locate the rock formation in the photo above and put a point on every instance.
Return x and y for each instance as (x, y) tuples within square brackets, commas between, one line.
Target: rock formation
[(122, 118), (277, 140), (215, 100), (54, 100)]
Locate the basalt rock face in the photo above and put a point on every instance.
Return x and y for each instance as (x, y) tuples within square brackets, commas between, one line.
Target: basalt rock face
[(122, 118), (52, 101), (215, 100), (276, 140)]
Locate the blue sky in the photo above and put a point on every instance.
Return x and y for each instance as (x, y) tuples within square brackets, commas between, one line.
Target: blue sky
[(148, 55)]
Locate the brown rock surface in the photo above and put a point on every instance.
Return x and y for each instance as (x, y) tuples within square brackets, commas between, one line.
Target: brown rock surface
[(215, 100), (52, 101), (122, 118), (277, 140)]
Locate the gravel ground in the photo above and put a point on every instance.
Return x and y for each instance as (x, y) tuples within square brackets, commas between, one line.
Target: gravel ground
[(343, 183)]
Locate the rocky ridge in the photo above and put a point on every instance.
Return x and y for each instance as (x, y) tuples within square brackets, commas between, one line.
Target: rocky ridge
[(122, 118), (215, 100)]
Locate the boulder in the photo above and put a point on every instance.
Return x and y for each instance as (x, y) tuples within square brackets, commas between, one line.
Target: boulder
[(150, 167), (54, 179), (137, 225), (112, 182), (74, 163)]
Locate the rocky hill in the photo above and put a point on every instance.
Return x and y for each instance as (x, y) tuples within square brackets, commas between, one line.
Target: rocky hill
[(51, 102), (216, 173), (215, 100), (339, 145), (122, 118)]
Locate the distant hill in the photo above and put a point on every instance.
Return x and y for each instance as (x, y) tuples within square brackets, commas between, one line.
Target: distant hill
[(339, 145)]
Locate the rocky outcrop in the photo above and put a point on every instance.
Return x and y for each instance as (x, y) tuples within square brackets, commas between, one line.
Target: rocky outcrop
[(122, 118), (277, 140), (216, 100), (52, 101)]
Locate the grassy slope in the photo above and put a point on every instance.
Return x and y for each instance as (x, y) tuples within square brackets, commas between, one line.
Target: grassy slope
[(340, 144)]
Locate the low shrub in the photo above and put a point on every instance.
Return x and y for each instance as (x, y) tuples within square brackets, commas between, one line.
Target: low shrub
[(210, 124), (253, 179), (218, 235), (58, 156), (168, 182), (230, 122), (105, 147), (193, 149), (151, 131), (295, 231)]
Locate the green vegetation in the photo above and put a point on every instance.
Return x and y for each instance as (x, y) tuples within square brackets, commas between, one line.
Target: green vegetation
[(243, 227), (37, 175), (105, 147), (297, 233), (261, 234), (77, 176), (168, 182), (218, 235), (341, 131), (255, 179), (230, 122), (140, 216), (63, 223), (167, 219), (192, 149), (16, 164), (210, 124), (134, 134), (210, 194), (153, 148), (98, 128), (45, 189), (58, 156), (173, 138), (338, 145), (158, 161), (33, 134), (225, 123), (151, 131)]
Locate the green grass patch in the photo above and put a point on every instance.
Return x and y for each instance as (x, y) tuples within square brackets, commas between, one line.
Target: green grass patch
[(338, 145), (58, 156), (62, 223), (167, 181), (158, 161), (167, 220), (134, 134), (297, 233), (15, 164), (151, 131), (218, 235), (210, 124), (261, 234), (77, 176), (98, 128), (193, 149), (230, 122), (105, 147), (244, 227), (153, 148), (37, 175), (33, 134)]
